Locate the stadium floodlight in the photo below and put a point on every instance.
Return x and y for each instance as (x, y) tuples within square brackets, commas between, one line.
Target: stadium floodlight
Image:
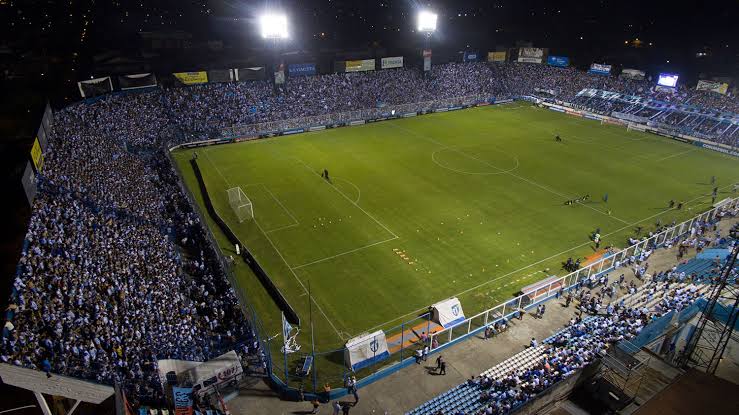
[(427, 21), (274, 26)]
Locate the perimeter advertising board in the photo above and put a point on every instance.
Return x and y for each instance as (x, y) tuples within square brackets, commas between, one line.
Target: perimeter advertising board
[(561, 61), (496, 56), (391, 62), (360, 65), (531, 55)]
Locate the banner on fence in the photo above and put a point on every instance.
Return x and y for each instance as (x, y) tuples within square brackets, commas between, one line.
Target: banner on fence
[(448, 312), (94, 87), (469, 56), (136, 81), (37, 155), (712, 86), (182, 400), (301, 69), (203, 376), (600, 69), (257, 73), (41, 137), (366, 349), (633, 74), (192, 78), (48, 119), (28, 181), (280, 74), (561, 61), (531, 55), (391, 62), (359, 65), (496, 56), (221, 75)]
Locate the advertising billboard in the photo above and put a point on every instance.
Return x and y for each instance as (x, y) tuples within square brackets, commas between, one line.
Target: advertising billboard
[(221, 75), (561, 61), (633, 74), (257, 73), (469, 56), (496, 56), (391, 62), (713, 86), (135, 81), (531, 55), (94, 87), (600, 69), (192, 78), (667, 79), (301, 69), (360, 65)]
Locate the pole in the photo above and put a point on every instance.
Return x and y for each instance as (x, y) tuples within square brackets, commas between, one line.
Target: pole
[(312, 341), (402, 335)]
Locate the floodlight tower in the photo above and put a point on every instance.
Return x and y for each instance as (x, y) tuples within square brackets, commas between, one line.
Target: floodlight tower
[(273, 27), (427, 25)]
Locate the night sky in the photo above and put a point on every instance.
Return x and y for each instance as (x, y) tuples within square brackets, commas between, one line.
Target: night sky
[(567, 27)]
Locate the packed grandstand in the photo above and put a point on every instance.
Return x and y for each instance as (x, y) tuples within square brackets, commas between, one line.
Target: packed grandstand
[(117, 271)]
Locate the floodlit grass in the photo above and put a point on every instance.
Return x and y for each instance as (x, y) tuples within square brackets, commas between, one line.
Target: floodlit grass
[(467, 203)]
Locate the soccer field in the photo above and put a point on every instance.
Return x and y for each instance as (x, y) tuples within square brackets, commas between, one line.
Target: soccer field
[(466, 203)]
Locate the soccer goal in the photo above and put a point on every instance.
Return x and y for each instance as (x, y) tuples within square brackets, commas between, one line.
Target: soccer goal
[(240, 204)]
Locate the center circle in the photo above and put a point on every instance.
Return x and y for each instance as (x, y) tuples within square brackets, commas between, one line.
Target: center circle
[(481, 162)]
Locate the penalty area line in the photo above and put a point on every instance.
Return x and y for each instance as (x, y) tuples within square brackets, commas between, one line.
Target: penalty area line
[(344, 253), (318, 306)]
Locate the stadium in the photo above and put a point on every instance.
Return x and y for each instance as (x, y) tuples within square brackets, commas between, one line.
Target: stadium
[(498, 233)]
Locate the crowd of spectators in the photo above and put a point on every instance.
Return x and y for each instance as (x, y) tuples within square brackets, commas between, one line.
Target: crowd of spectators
[(582, 341), (116, 272)]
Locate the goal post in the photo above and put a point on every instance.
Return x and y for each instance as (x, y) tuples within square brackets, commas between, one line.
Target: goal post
[(240, 203)]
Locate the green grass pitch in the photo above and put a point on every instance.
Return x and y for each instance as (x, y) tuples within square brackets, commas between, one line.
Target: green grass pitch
[(466, 203)]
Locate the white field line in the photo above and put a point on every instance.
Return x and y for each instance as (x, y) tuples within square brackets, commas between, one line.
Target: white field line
[(359, 191), (344, 253), (318, 306), (282, 206), (279, 228), (508, 172), (537, 262), (676, 154), (349, 200)]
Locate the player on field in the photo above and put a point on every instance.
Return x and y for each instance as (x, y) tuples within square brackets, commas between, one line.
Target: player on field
[(325, 175), (558, 138)]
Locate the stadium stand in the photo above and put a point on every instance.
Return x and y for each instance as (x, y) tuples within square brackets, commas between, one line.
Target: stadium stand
[(117, 272)]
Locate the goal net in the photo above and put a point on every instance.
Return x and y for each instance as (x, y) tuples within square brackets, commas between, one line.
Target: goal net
[(240, 204)]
